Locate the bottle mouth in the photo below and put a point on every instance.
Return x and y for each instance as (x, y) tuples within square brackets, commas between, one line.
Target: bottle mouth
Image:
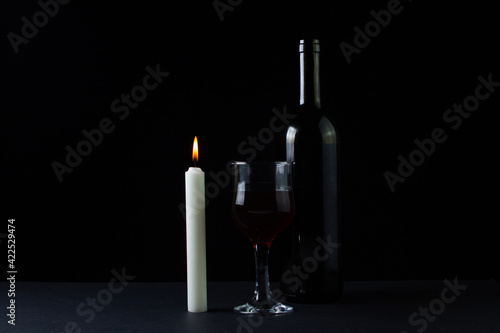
[(308, 45)]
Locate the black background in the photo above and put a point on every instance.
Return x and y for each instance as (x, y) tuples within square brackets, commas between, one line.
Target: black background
[(119, 207)]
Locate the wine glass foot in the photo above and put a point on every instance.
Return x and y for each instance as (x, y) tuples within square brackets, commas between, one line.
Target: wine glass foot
[(276, 309)]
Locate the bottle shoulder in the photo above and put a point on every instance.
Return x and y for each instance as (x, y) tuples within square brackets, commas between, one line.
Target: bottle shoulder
[(311, 118)]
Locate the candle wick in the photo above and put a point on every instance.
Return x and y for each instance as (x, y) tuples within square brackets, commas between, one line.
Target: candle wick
[(194, 163)]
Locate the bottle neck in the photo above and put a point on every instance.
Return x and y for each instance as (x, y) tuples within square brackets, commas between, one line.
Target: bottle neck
[(309, 72)]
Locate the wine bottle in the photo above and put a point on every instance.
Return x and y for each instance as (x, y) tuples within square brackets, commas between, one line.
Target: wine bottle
[(313, 270)]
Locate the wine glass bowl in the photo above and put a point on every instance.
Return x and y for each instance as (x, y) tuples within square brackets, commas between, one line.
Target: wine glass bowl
[(262, 206)]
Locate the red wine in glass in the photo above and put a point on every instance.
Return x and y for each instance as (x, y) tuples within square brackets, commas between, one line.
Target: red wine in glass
[(263, 214)]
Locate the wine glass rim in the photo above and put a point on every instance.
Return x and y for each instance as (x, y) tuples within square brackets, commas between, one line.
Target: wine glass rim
[(262, 163)]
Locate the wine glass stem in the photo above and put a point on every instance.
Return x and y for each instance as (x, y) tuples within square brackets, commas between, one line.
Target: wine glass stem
[(262, 293)]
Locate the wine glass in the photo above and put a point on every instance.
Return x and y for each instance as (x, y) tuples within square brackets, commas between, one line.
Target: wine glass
[(262, 206)]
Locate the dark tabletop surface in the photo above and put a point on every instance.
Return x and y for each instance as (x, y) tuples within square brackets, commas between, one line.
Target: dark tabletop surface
[(375, 306)]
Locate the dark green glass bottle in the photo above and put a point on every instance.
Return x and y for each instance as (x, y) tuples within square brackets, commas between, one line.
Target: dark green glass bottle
[(312, 271)]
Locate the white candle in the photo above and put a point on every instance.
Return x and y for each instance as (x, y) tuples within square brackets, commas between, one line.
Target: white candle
[(195, 237)]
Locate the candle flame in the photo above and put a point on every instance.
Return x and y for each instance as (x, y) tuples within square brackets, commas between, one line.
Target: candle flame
[(195, 150)]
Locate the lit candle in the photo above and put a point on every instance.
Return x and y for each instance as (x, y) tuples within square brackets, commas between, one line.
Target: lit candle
[(195, 237)]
